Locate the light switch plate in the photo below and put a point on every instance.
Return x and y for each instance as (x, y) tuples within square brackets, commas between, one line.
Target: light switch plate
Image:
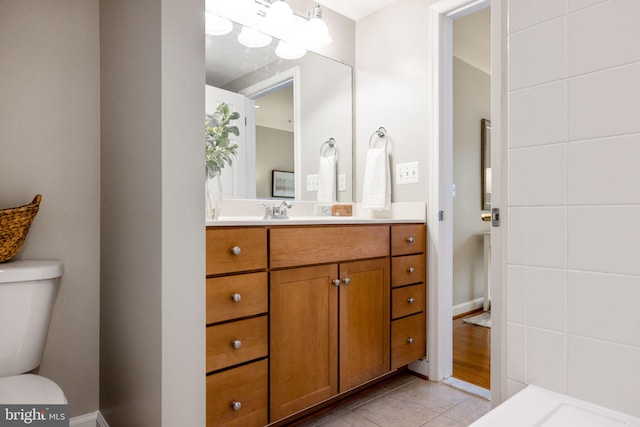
[(342, 182), (313, 181), (407, 173)]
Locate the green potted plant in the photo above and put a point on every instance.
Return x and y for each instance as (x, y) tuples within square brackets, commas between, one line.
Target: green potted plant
[(219, 152)]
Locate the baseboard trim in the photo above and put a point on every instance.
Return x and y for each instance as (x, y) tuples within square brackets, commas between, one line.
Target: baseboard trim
[(468, 306), (93, 419), (100, 421)]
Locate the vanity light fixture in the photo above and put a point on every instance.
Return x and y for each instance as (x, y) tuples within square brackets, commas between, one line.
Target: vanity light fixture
[(287, 50), (216, 25), (253, 38), (317, 30), (279, 17), (264, 18)]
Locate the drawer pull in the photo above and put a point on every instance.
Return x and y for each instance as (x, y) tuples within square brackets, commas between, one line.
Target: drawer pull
[(409, 340), (336, 282), (346, 280), (236, 250), (236, 297), (236, 406), (410, 270), (411, 300), (410, 239), (236, 344)]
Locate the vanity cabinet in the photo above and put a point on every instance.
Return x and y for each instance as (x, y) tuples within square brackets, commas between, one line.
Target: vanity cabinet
[(318, 310), (408, 325), (329, 331), (237, 327)]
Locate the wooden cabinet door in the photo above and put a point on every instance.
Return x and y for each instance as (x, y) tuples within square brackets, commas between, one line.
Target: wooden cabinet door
[(303, 338), (364, 321)]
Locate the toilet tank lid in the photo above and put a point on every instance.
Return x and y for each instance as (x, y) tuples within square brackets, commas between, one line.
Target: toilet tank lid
[(25, 270)]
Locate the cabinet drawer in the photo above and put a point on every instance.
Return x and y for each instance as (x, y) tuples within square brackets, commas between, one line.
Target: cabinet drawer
[(407, 300), (231, 297), (292, 246), (246, 385), (252, 337), (408, 336), (407, 239), (250, 246), (406, 270)]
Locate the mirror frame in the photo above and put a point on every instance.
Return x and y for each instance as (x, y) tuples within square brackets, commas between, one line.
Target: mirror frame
[(485, 163)]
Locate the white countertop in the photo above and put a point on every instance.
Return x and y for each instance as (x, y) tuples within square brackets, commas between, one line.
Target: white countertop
[(310, 220), (241, 212)]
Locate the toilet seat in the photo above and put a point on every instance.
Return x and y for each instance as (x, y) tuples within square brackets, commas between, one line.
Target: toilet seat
[(30, 389)]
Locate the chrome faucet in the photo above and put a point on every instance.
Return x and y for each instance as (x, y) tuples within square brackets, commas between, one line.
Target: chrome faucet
[(273, 211)]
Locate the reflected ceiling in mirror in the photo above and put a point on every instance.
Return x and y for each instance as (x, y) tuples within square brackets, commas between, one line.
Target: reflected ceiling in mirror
[(322, 109)]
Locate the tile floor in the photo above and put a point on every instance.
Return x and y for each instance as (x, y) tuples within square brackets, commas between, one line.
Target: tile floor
[(406, 401)]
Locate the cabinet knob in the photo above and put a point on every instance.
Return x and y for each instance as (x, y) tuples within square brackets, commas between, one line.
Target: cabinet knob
[(336, 282), (236, 297), (410, 270), (236, 250), (409, 340), (411, 300), (236, 344), (410, 239), (346, 280), (236, 406)]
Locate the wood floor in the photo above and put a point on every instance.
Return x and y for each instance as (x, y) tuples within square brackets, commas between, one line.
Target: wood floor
[(471, 352)]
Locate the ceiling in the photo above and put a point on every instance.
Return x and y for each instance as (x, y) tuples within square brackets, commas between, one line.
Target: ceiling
[(472, 33), (355, 9)]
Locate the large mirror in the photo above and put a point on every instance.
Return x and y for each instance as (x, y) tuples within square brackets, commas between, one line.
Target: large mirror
[(290, 108), (485, 164)]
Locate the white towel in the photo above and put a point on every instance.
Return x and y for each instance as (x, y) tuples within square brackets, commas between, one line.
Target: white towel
[(327, 179), (376, 191)]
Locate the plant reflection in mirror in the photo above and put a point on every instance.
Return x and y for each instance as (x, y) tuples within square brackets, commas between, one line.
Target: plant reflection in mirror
[(219, 151)]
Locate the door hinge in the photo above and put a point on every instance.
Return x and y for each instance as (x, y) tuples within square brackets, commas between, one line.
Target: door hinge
[(495, 217), (441, 216)]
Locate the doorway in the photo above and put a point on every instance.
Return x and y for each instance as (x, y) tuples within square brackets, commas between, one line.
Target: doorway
[(471, 111), (440, 207)]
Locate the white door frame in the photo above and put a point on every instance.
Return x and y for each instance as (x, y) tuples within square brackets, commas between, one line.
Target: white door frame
[(268, 85), (440, 276)]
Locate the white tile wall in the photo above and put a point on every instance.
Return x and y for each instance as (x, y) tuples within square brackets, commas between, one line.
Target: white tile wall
[(591, 184), (605, 103), (547, 359), (547, 175), (544, 10), (593, 47), (575, 5), (517, 294), (614, 319), (546, 52), (546, 113), (517, 352), (605, 373), (546, 298), (546, 237), (573, 282), (605, 239)]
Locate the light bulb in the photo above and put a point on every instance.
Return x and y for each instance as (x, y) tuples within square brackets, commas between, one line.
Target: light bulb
[(216, 25), (253, 38), (317, 31), (286, 50), (279, 17)]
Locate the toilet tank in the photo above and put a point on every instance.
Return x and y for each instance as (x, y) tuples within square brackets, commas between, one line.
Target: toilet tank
[(28, 291)]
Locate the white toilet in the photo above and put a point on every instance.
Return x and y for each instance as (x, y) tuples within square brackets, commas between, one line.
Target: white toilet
[(28, 290)]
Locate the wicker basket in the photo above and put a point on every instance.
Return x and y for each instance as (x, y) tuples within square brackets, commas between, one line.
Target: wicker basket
[(14, 226)]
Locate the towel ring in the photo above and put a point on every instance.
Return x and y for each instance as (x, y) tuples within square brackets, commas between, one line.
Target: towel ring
[(380, 133), (327, 146)]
